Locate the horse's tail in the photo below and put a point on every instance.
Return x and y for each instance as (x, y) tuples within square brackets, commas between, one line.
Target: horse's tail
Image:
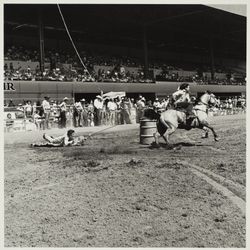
[(161, 126), (163, 122)]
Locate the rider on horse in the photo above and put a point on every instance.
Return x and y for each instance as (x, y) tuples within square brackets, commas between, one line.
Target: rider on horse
[(182, 101)]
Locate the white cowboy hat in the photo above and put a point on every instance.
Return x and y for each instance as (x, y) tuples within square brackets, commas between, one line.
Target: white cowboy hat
[(98, 96), (82, 100), (65, 98)]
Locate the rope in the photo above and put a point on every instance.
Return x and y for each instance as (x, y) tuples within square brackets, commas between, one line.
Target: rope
[(99, 131), (65, 25)]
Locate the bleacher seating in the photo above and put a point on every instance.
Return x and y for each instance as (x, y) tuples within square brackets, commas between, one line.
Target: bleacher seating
[(23, 64)]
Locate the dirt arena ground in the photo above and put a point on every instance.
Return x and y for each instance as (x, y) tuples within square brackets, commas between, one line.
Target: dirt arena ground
[(114, 192)]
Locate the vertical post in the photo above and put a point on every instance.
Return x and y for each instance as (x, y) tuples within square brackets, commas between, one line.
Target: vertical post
[(145, 46), (212, 56), (41, 38)]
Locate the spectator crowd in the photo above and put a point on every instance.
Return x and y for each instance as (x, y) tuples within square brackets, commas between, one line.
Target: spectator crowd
[(111, 69)]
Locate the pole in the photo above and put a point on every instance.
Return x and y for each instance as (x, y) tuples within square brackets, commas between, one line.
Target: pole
[(41, 39), (145, 46), (212, 56)]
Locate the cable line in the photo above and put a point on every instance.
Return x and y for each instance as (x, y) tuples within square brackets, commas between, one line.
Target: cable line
[(65, 25)]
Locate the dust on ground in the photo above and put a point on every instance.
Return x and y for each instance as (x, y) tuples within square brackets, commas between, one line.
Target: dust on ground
[(114, 192)]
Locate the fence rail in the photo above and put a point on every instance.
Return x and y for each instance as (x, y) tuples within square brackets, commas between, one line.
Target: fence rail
[(81, 120)]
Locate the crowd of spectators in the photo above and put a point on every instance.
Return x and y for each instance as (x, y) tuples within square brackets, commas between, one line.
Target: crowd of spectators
[(200, 77), (119, 74), (115, 69), (100, 111)]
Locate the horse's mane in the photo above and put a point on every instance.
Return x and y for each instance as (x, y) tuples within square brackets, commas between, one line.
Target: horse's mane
[(199, 99), (196, 101)]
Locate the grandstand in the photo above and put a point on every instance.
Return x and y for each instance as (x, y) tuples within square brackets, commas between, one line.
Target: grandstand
[(145, 49)]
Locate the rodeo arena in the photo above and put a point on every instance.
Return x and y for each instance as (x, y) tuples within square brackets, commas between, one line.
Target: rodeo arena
[(124, 125)]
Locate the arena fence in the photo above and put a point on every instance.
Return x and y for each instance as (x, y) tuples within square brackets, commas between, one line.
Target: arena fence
[(86, 119)]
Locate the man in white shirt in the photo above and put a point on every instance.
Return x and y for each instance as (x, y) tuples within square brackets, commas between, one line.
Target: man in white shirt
[(77, 114), (84, 118), (98, 105), (64, 140), (125, 108), (28, 109), (165, 103), (157, 104), (46, 109), (63, 109), (112, 107), (37, 120), (140, 104)]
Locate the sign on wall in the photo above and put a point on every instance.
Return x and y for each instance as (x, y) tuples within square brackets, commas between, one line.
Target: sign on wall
[(9, 86)]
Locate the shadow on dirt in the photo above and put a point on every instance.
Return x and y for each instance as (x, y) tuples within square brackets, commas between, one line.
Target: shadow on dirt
[(173, 146)]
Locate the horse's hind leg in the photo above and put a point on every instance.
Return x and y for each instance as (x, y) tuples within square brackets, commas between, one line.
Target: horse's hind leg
[(216, 138), (156, 137), (170, 131)]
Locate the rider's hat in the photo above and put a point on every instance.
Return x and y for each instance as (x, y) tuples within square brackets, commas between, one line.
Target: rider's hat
[(184, 85)]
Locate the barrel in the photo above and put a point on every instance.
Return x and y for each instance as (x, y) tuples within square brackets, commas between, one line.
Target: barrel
[(147, 130)]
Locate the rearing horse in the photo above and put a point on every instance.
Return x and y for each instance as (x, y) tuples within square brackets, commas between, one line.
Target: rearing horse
[(170, 120)]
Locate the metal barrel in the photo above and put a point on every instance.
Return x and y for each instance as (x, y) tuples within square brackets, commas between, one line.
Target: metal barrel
[(147, 130)]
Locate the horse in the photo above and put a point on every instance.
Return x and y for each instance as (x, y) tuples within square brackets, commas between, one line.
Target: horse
[(168, 121)]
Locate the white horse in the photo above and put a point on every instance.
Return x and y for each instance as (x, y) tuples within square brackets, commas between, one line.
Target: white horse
[(171, 119)]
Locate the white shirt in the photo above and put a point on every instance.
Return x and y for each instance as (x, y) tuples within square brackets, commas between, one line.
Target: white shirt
[(165, 104), (112, 106), (78, 106), (28, 107), (157, 104), (46, 106), (181, 96), (37, 117), (98, 103), (62, 140), (140, 104), (63, 106)]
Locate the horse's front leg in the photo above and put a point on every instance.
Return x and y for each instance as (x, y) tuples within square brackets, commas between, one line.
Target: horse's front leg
[(205, 135), (216, 138), (166, 138)]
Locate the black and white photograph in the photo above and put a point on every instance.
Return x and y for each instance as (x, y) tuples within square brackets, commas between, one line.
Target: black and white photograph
[(124, 124)]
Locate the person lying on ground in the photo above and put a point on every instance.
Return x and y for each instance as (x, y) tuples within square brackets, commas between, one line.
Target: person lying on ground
[(67, 139)]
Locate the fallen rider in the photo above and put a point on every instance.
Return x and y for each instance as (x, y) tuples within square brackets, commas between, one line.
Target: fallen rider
[(65, 140)]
